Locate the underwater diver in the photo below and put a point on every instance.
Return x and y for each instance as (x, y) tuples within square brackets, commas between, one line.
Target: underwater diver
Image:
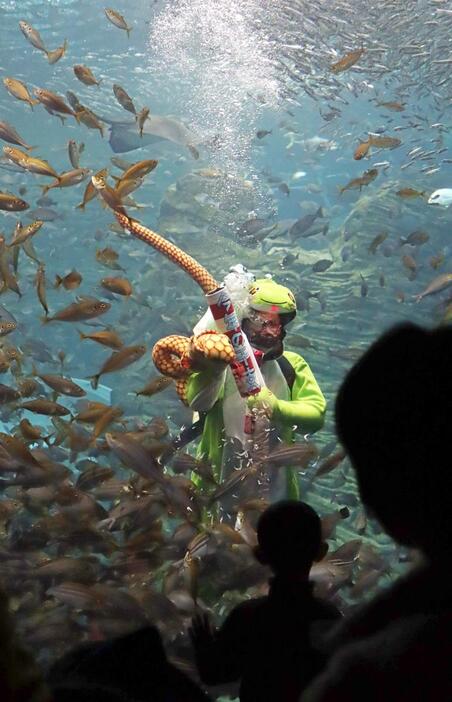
[(291, 398)]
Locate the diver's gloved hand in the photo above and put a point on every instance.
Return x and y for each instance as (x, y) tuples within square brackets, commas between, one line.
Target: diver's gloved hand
[(265, 401)]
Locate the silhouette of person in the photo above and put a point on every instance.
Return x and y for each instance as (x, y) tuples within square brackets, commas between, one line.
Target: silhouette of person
[(267, 642), (393, 416), (134, 666)]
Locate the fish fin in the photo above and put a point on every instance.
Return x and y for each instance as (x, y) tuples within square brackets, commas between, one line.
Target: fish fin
[(58, 281), (81, 147), (81, 206), (128, 30), (77, 117), (46, 319), (94, 381), (82, 335), (45, 189)]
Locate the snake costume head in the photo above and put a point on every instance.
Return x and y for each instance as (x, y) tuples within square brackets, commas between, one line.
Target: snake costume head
[(270, 309)]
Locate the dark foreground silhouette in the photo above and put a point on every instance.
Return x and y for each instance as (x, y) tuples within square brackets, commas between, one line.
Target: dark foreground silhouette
[(132, 668), (268, 643), (394, 418)]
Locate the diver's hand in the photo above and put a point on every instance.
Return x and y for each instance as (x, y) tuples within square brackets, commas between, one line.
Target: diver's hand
[(265, 401)]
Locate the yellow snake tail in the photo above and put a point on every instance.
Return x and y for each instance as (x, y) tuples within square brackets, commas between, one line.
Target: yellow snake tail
[(199, 274)]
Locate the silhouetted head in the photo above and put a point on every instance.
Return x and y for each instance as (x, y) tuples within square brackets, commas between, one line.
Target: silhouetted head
[(393, 416), (289, 537)]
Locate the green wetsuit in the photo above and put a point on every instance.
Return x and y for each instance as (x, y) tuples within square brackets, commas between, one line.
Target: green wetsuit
[(303, 407)]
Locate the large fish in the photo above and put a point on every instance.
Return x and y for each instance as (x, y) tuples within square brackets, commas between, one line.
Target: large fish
[(124, 136)]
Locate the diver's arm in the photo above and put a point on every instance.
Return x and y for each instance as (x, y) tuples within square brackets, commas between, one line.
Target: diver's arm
[(203, 389), (307, 407)]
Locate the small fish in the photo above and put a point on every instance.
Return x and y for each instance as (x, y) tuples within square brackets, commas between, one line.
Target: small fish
[(384, 142), (442, 282), (90, 191), (89, 119), (393, 106), (365, 179), (330, 463), (124, 99), (322, 265), (361, 150), (120, 286), (32, 35), (71, 281), (347, 61), (118, 20), (22, 234), (284, 188), (7, 322), (416, 238), (263, 133), (74, 151), (31, 432), (119, 360), (375, 243), (29, 163), (410, 264), (19, 90), (107, 193), (55, 55), (12, 203), (141, 118), (86, 308), (68, 179), (364, 289), (74, 101), (138, 170), (105, 337), (155, 385), (437, 261), (109, 257), (8, 133), (41, 406), (41, 288), (410, 193), (54, 103), (304, 223), (441, 197), (288, 259), (61, 385), (85, 75)]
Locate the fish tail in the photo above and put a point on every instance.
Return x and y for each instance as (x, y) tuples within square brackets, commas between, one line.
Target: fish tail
[(58, 281), (81, 334), (81, 207), (45, 189), (31, 148), (128, 30), (46, 319)]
